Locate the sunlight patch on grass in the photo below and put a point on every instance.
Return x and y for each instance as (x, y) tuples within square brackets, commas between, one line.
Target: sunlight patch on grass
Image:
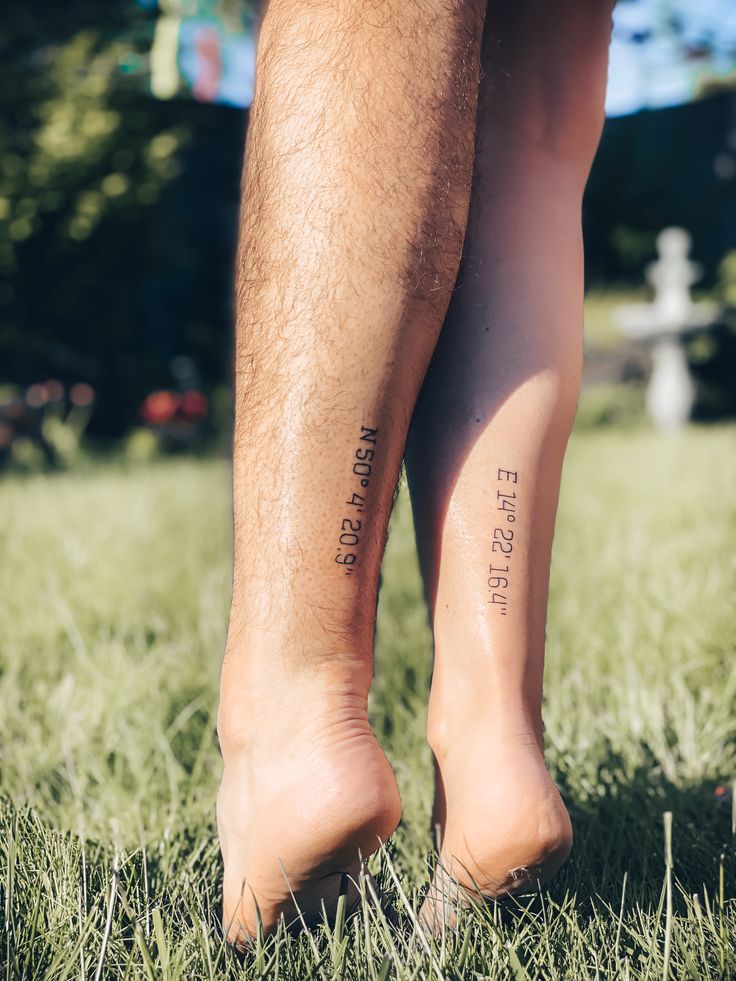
[(113, 598)]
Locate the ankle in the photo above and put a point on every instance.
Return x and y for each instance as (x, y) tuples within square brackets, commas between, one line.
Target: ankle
[(299, 634), (299, 616), (265, 688), (501, 723)]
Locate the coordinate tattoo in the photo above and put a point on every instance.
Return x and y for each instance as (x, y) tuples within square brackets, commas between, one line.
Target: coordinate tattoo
[(351, 526), (502, 543)]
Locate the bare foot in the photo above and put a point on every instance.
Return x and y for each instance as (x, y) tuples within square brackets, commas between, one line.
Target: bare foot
[(503, 827), (306, 791)]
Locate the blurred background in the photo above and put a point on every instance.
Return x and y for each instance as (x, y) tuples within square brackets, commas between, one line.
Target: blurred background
[(121, 141), (121, 137)]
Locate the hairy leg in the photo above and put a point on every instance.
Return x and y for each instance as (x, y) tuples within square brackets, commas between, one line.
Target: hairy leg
[(357, 180), (488, 437)]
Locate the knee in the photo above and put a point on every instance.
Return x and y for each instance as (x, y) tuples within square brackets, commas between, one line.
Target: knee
[(546, 66)]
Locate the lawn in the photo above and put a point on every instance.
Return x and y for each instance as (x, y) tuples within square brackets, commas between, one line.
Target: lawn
[(113, 598)]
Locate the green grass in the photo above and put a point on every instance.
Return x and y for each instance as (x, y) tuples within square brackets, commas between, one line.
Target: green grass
[(113, 598)]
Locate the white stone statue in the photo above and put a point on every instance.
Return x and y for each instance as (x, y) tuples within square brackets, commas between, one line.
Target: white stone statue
[(664, 323)]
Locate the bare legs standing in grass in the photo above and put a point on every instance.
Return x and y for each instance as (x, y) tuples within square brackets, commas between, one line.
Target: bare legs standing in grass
[(358, 173), (488, 438), (357, 184)]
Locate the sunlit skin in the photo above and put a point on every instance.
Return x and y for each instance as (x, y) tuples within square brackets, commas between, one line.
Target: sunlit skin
[(487, 442), (357, 183)]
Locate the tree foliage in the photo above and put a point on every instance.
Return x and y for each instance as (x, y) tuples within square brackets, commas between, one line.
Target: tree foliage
[(119, 211)]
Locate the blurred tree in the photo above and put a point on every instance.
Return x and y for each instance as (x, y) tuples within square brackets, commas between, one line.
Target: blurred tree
[(119, 211), (657, 168), (712, 356), (666, 167)]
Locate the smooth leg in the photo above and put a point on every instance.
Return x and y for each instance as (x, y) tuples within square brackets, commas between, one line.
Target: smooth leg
[(357, 181), (487, 443)]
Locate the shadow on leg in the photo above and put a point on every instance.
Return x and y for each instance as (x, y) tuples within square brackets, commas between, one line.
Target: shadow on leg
[(488, 439)]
